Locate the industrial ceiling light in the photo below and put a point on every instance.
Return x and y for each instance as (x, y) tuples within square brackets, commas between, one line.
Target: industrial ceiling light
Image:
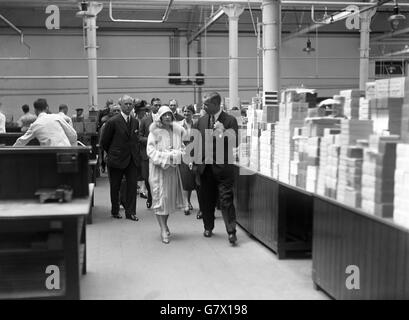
[(396, 18), (309, 47), (83, 6)]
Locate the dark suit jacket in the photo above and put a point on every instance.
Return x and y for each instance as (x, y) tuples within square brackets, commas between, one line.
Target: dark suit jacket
[(143, 135), (178, 116), (121, 145), (230, 124)]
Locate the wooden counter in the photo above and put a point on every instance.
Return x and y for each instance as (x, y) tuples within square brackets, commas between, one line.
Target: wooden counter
[(34, 236), (277, 214), (344, 236)]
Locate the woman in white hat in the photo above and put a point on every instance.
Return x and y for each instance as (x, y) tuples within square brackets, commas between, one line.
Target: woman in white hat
[(165, 150)]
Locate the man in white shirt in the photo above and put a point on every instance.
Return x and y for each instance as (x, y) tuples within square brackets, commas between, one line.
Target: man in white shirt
[(27, 119), (63, 111), (51, 130), (2, 121)]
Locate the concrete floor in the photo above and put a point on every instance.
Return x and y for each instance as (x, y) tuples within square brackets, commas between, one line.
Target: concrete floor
[(127, 260)]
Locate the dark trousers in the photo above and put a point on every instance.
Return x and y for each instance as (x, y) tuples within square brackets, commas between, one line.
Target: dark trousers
[(115, 178), (145, 176), (217, 186), (148, 187)]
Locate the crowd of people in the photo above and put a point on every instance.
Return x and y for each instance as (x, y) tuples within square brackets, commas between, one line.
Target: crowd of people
[(155, 148)]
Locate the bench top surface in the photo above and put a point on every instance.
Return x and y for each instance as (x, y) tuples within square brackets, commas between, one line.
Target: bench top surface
[(34, 209)]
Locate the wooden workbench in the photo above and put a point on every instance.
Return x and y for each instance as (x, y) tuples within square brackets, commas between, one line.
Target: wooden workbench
[(34, 236)]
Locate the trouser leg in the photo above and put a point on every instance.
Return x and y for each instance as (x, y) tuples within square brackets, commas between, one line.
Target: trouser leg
[(208, 197), (115, 178)]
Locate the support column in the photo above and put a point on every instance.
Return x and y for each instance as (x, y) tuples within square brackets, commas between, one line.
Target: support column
[(271, 20), (233, 12), (91, 48), (364, 48)]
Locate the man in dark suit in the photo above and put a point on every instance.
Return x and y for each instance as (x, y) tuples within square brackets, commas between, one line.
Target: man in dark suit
[(120, 141), (143, 138), (219, 132)]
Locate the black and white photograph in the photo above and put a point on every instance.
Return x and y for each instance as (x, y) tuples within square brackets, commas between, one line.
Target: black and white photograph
[(204, 155)]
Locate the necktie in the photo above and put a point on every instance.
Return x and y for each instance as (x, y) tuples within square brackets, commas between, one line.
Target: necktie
[(128, 122), (211, 122)]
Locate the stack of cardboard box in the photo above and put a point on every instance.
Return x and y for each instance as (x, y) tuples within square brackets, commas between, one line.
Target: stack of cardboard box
[(401, 197), (325, 170), (387, 115), (351, 103), (349, 175), (298, 165), (267, 150), (352, 130), (378, 174), (331, 168)]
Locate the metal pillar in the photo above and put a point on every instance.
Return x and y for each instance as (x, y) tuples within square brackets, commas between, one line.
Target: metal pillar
[(233, 12), (364, 48), (271, 21), (91, 47)]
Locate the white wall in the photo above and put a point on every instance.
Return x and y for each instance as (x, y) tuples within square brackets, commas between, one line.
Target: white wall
[(344, 73)]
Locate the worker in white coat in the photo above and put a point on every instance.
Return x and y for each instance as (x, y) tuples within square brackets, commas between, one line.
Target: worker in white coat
[(49, 129)]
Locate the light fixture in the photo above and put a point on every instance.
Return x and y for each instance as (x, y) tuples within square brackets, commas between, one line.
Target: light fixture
[(396, 18), (309, 47), (83, 6)]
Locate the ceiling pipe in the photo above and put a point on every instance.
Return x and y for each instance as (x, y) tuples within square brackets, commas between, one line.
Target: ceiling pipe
[(11, 25), (397, 53), (164, 18), (391, 34), (319, 25), (216, 16)]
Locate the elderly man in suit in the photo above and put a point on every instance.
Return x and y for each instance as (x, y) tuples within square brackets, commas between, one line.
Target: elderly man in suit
[(120, 140), (143, 138), (219, 132)]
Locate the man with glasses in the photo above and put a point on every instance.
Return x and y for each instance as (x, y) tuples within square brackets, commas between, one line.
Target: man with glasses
[(120, 140), (173, 105), (143, 138)]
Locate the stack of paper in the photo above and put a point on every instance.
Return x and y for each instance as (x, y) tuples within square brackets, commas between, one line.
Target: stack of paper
[(405, 121), (255, 150), (378, 174), (326, 141), (364, 111), (351, 103), (284, 146), (349, 175), (387, 116), (267, 150), (352, 130), (315, 126), (401, 198), (331, 170)]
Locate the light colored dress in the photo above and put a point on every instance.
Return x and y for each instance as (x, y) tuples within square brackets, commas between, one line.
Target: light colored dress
[(164, 175)]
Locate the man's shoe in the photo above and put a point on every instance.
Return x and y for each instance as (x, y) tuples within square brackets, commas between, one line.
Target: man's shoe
[(116, 216), (207, 233), (187, 212), (232, 238), (142, 195), (148, 204), (199, 215), (132, 217)]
